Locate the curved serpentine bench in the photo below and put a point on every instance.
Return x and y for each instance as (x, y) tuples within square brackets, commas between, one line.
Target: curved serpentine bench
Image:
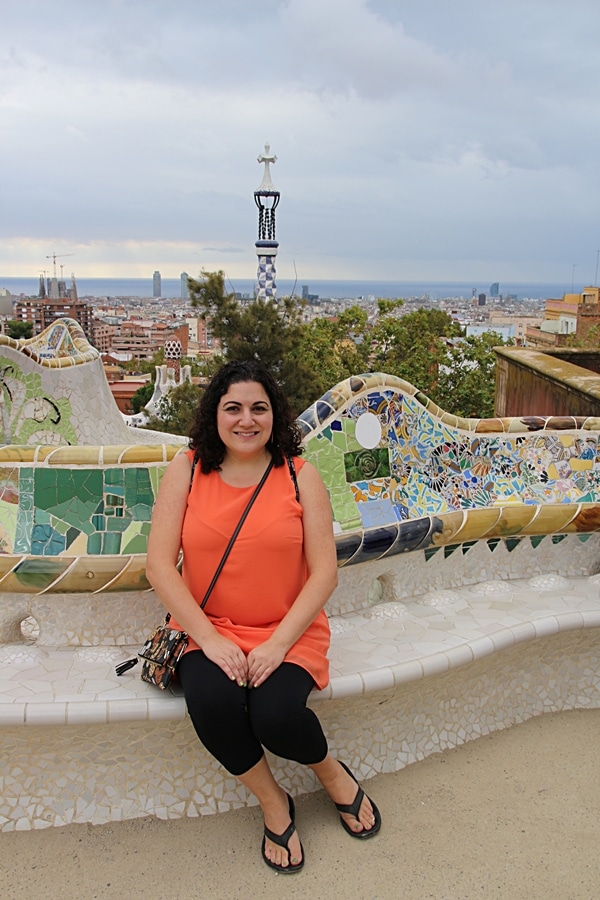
[(468, 600)]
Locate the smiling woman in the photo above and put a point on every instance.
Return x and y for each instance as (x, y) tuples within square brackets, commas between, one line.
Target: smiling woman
[(259, 647), (245, 424)]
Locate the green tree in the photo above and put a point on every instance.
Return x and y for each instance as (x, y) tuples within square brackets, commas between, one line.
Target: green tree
[(176, 410), (467, 383), (145, 366), (336, 348), (141, 397), (261, 330), (591, 341), (411, 346), (17, 330)]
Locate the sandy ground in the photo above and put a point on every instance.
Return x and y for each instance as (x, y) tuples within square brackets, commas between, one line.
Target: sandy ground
[(515, 815)]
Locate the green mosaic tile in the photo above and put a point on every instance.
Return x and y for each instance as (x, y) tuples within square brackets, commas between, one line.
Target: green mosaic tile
[(141, 512), (156, 473), (138, 489), (367, 464), (118, 522), (59, 525), (111, 543), (345, 511), (137, 544), (94, 543), (340, 440), (536, 539), (70, 494), (71, 535), (36, 574), (429, 554), (46, 541), (349, 430), (26, 479), (113, 477)]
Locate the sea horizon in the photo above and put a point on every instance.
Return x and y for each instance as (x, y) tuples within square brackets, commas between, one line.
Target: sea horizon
[(336, 289)]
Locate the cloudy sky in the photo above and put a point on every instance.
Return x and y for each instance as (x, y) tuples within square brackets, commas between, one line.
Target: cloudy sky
[(430, 140)]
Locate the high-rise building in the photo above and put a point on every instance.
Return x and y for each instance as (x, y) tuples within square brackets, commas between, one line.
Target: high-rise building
[(43, 310), (185, 291), (495, 289), (156, 285)]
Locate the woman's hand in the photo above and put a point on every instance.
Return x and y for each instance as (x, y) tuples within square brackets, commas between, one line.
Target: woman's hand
[(228, 657), (263, 660)]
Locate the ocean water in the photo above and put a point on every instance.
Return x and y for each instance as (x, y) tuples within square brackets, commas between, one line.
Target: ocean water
[(436, 290)]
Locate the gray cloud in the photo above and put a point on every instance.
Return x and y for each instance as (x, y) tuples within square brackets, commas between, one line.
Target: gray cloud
[(412, 139)]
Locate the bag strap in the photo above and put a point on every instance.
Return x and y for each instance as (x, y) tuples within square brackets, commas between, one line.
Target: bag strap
[(194, 464), (130, 663), (235, 534), (290, 463)]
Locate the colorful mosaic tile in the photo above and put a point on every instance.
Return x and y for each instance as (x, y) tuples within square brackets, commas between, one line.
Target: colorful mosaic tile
[(401, 473)]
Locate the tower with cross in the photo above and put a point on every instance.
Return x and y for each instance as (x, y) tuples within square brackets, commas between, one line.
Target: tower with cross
[(267, 200)]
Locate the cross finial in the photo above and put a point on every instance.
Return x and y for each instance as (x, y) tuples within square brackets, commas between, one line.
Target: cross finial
[(267, 158)]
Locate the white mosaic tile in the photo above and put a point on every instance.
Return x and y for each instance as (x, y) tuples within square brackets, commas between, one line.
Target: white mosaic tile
[(448, 600), (389, 611), (548, 582), (495, 588), (443, 672)]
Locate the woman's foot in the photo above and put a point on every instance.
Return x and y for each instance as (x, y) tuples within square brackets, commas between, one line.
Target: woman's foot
[(281, 849), (352, 814), (341, 786)]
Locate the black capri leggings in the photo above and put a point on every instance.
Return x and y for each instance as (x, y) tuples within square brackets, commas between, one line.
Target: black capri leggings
[(235, 723)]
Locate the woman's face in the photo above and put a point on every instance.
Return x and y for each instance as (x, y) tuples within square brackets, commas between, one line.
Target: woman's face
[(245, 418)]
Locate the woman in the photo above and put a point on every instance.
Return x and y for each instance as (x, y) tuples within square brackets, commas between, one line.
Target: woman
[(259, 647)]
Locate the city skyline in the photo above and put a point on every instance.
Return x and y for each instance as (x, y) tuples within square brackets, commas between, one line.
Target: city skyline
[(414, 142)]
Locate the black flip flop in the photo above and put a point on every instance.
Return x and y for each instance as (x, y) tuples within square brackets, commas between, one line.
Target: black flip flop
[(282, 840), (353, 809)]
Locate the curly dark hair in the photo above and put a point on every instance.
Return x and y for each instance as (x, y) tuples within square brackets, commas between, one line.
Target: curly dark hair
[(204, 436)]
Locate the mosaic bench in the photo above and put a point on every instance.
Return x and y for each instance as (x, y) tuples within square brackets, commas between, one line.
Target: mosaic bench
[(456, 539)]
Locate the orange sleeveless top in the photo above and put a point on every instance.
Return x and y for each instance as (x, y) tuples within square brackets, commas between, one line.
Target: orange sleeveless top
[(265, 570)]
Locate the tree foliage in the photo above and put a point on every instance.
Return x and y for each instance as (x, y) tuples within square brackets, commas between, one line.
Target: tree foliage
[(334, 348), (589, 341), (467, 382), (261, 330), (145, 366), (176, 410), (141, 397), (18, 330), (308, 358), (411, 346)]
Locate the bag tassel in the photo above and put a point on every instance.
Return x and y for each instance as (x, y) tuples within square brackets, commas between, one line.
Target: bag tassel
[(126, 665)]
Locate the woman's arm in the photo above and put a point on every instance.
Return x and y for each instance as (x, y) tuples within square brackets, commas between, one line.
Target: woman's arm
[(321, 561), (164, 544)]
